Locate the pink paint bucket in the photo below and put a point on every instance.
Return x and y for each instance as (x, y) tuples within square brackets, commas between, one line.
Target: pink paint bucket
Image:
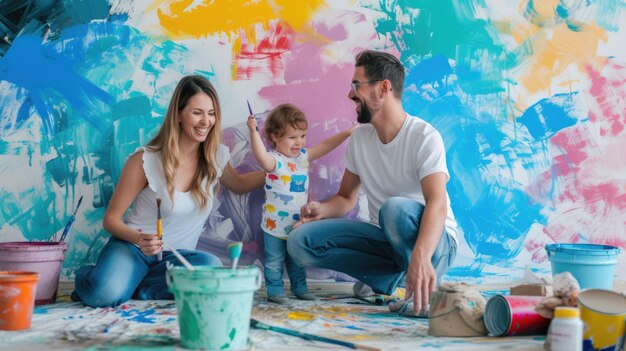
[(44, 258), (514, 315)]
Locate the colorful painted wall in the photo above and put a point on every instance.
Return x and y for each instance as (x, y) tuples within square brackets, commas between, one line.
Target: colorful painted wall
[(529, 96)]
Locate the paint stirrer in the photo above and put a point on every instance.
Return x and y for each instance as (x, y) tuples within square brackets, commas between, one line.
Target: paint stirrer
[(179, 256), (259, 325)]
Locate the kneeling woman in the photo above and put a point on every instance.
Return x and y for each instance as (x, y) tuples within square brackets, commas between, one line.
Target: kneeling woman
[(181, 166)]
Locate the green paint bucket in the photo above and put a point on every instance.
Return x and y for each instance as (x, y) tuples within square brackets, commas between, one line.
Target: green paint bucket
[(214, 305)]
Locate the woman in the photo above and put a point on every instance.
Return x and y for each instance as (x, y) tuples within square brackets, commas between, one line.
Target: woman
[(181, 166)]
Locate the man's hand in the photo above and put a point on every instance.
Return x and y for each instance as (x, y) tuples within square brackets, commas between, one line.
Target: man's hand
[(421, 279), (150, 244), (310, 212)]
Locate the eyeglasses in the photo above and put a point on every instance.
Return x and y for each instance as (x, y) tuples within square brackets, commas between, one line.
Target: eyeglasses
[(356, 85)]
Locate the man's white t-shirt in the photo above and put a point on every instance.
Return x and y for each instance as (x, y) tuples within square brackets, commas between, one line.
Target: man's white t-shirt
[(397, 168)]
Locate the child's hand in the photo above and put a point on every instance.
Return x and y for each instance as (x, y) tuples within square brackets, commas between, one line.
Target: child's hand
[(252, 124)]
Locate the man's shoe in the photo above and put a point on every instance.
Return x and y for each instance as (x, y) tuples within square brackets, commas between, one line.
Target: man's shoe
[(362, 290)]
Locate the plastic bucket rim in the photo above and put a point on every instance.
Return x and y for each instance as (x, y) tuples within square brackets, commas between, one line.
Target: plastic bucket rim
[(18, 276), (604, 291), (212, 271), (215, 274), (33, 246), (573, 248)]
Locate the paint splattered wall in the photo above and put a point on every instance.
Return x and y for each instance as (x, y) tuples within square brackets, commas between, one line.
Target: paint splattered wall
[(529, 97)]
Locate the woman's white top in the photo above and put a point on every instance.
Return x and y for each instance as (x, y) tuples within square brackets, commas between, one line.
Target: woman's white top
[(182, 224)]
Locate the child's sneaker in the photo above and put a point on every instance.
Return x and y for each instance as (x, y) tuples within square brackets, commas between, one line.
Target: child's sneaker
[(306, 296), (279, 299)]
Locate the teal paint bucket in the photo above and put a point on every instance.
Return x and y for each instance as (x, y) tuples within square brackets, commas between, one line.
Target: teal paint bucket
[(214, 305), (593, 265)]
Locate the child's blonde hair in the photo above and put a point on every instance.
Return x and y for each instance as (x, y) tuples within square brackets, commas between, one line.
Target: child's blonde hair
[(282, 116)]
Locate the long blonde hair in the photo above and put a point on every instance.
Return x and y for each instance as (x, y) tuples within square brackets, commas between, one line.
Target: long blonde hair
[(166, 140)]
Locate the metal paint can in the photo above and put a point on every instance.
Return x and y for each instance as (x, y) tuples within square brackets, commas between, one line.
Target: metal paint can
[(514, 315)]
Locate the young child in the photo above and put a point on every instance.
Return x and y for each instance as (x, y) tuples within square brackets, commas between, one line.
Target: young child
[(286, 191)]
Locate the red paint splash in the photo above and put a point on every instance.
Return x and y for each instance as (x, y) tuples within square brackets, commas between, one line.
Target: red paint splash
[(265, 57)]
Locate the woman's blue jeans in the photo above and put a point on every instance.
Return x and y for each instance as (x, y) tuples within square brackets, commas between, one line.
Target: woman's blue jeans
[(275, 255), (379, 257), (123, 272)]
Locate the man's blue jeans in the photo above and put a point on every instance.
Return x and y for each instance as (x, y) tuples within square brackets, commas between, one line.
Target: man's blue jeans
[(123, 272), (379, 257), (275, 256)]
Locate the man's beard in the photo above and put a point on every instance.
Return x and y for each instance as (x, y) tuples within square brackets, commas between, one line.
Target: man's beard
[(364, 115)]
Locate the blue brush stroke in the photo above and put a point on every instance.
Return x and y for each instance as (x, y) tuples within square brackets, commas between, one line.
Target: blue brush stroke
[(548, 116), (140, 316), (50, 79), (492, 209)]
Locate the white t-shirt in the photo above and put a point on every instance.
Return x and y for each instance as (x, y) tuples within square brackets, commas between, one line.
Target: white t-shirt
[(397, 168), (182, 225)]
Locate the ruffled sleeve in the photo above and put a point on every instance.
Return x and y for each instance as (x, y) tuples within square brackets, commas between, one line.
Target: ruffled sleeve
[(153, 167), (223, 156)]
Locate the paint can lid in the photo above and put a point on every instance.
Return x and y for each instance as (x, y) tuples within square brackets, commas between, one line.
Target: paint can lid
[(566, 312)]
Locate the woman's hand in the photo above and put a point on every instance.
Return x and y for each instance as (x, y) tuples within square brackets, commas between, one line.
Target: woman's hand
[(149, 244)]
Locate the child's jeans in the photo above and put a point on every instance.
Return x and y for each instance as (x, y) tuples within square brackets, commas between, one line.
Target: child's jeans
[(275, 255)]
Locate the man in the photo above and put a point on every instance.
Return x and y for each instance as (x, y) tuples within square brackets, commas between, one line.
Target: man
[(400, 161)]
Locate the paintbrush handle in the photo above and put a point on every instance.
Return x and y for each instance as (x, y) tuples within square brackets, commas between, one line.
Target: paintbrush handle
[(67, 228), (160, 236), (259, 325)]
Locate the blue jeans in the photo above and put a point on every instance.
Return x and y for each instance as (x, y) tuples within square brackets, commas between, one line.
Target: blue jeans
[(379, 257), (275, 255), (123, 272)]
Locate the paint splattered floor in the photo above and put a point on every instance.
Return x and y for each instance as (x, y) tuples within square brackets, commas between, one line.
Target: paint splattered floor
[(153, 325)]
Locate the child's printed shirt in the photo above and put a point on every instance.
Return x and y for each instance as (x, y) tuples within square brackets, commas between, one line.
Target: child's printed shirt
[(286, 191)]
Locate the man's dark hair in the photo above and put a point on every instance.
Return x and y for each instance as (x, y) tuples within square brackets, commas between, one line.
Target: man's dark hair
[(381, 65)]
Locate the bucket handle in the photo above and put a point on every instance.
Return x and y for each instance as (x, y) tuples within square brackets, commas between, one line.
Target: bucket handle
[(258, 279), (168, 275)]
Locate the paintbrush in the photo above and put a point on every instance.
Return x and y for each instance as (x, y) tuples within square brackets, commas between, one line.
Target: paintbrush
[(251, 113), (259, 325), (71, 220), (234, 251), (179, 256), (159, 228)]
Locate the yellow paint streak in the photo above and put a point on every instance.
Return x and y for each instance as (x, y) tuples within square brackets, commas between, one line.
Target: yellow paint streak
[(554, 54), (545, 8), (301, 316), (183, 19)]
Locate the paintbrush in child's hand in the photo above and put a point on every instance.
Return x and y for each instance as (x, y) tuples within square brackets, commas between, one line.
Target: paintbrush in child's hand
[(159, 228), (251, 113)]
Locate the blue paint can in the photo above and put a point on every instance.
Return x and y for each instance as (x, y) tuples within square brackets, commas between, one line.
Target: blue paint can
[(593, 265)]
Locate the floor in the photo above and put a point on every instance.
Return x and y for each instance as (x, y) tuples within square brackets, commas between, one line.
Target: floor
[(153, 325)]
